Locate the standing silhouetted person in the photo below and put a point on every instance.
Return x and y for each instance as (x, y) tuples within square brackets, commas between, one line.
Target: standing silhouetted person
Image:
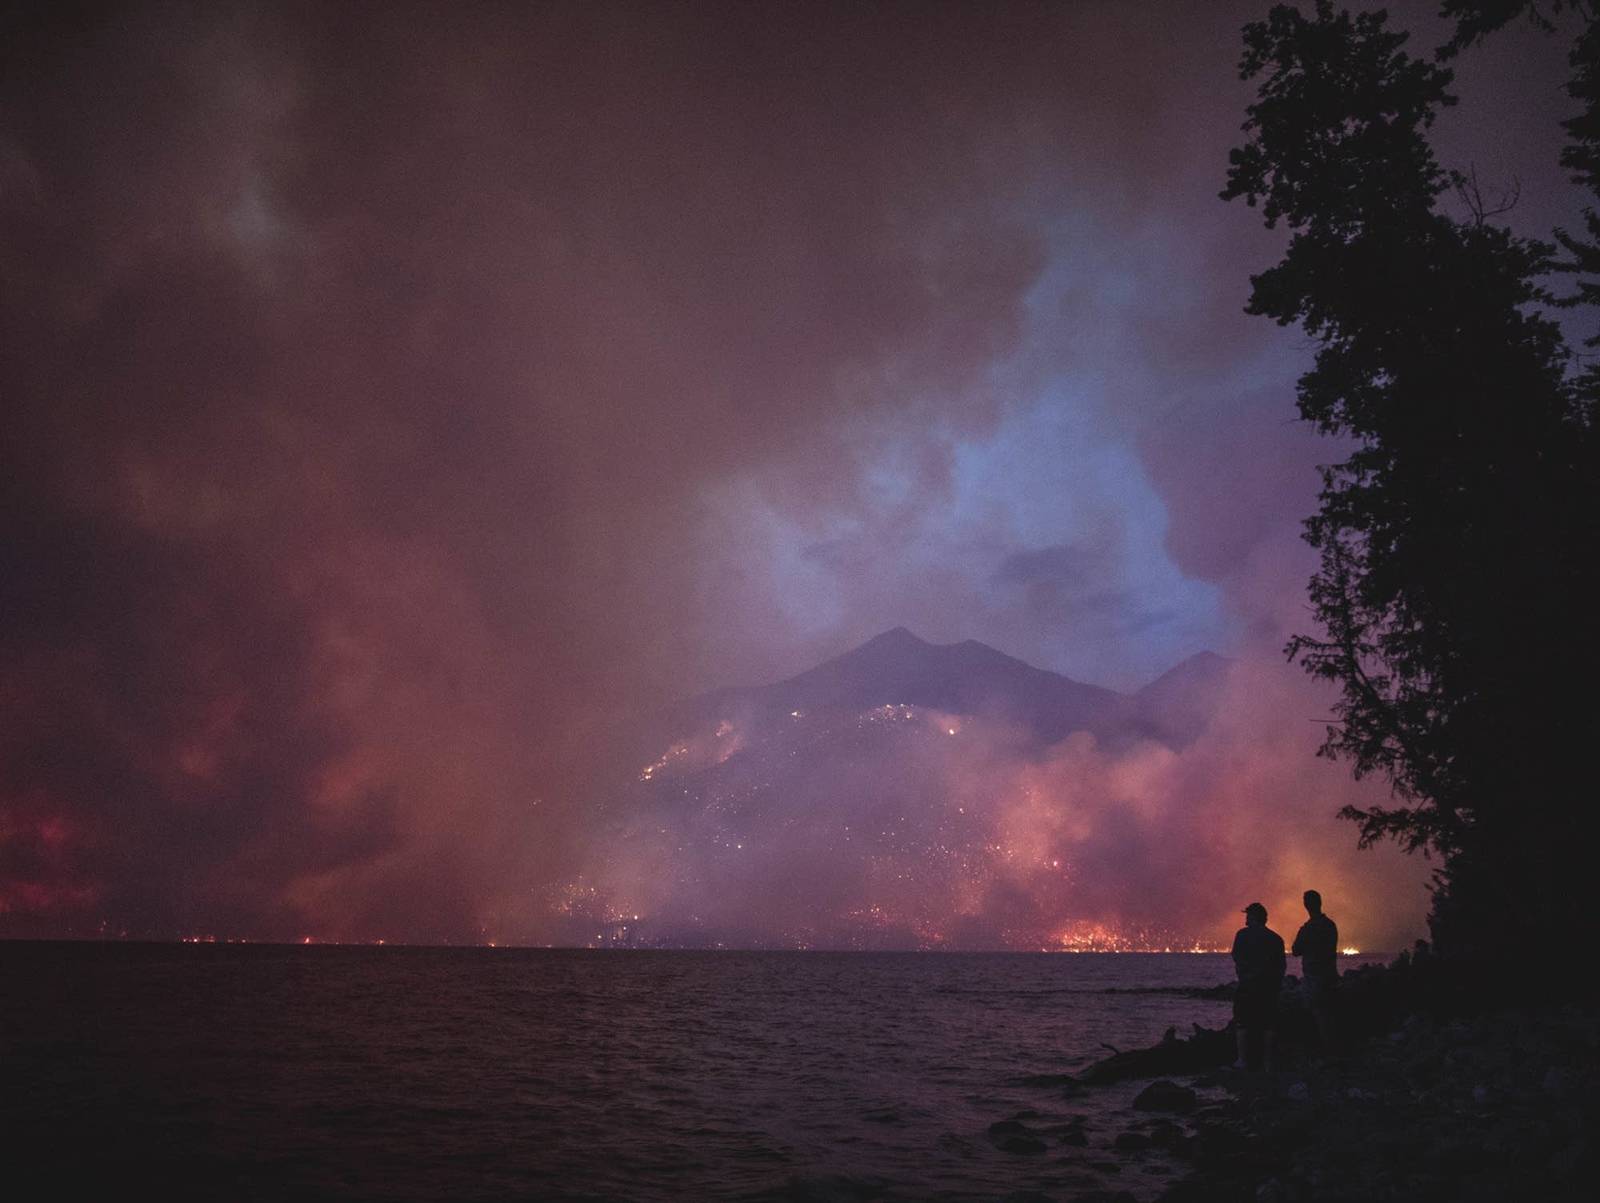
[(1317, 946), (1259, 961)]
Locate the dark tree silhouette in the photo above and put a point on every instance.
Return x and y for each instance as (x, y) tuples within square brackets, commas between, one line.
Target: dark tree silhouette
[(1477, 19), (1456, 590)]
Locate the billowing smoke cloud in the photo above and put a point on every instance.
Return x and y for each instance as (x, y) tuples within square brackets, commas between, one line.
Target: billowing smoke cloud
[(394, 398), (1235, 817)]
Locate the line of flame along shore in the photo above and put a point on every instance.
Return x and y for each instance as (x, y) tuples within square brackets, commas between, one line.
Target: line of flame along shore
[(1073, 944)]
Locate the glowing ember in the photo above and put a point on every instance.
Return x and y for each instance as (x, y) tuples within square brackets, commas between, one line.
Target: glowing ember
[(675, 752), (696, 752)]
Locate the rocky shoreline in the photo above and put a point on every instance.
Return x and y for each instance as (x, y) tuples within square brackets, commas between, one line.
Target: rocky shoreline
[(1446, 1087)]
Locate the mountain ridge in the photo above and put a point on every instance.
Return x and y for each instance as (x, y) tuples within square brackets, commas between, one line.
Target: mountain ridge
[(898, 667)]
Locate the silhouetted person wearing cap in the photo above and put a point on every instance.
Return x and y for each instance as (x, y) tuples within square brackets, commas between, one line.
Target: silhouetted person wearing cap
[(1259, 961), (1317, 946)]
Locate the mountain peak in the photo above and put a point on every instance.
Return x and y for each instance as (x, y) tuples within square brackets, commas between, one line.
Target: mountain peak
[(1179, 704), (1205, 665), (896, 637)]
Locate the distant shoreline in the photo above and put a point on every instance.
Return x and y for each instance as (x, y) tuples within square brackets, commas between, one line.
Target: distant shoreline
[(1361, 957)]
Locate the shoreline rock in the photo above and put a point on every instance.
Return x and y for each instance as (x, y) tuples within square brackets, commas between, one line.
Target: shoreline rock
[(1439, 1091)]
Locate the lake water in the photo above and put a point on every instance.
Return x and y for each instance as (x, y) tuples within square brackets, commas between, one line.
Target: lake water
[(260, 1072)]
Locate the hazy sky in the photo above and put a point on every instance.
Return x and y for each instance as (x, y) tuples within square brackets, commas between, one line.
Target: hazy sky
[(393, 395)]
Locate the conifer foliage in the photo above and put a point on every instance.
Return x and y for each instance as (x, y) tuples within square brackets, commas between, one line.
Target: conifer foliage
[(1456, 594)]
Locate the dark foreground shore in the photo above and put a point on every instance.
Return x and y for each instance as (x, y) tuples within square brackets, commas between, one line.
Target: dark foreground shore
[(1444, 1088)]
